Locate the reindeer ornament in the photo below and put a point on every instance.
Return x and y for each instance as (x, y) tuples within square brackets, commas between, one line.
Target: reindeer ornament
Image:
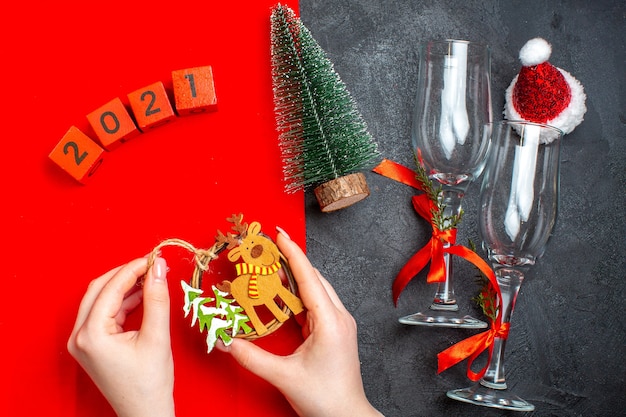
[(258, 282)]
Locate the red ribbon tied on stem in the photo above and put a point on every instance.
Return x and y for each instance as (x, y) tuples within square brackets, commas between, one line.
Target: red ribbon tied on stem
[(440, 243), (473, 346), (433, 251)]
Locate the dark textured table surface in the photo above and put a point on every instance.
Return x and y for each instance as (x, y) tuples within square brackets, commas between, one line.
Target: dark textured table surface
[(566, 348)]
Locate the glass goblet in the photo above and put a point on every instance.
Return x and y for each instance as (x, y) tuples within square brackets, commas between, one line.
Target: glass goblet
[(451, 133), (518, 210)]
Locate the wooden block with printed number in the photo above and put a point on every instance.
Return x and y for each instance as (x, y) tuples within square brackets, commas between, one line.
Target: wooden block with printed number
[(112, 124), (151, 106), (77, 155), (194, 91)]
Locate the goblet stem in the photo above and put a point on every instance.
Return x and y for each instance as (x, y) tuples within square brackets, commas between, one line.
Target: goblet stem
[(442, 311), (444, 296), (450, 200), (494, 376), (492, 390), (509, 281)]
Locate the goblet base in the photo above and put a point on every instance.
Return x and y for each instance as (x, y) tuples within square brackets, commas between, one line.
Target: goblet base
[(440, 318), (490, 397)]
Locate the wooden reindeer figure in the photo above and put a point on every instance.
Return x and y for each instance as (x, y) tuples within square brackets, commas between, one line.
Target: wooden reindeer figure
[(257, 282)]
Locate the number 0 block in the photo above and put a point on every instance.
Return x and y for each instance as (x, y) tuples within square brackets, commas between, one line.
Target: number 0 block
[(112, 124), (151, 106), (194, 91), (77, 155)]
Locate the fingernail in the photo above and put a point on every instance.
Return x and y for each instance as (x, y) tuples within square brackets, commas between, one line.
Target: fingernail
[(159, 270), (219, 345), (282, 232)]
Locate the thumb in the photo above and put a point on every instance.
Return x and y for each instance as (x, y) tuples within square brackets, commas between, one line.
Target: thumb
[(156, 302), (260, 362)]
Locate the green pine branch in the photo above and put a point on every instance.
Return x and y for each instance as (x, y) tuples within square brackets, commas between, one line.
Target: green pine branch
[(439, 219), (487, 297)]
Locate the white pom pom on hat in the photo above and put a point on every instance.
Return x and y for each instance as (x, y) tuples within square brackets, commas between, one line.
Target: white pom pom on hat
[(543, 93), (534, 52)]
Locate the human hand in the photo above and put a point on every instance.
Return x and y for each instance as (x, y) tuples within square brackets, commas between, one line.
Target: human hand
[(134, 370), (322, 377)]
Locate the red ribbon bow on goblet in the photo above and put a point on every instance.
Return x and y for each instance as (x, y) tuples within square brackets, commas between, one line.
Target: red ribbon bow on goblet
[(441, 242), (433, 251)]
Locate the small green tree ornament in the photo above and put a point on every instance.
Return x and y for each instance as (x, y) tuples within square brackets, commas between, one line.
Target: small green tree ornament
[(323, 138)]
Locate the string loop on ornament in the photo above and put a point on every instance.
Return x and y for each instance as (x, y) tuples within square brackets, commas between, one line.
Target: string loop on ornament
[(202, 257)]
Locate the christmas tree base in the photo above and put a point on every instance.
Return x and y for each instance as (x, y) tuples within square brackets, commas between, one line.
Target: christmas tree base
[(342, 192)]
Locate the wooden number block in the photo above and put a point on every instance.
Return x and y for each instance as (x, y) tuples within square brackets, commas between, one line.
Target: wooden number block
[(77, 155), (194, 91), (151, 106), (112, 124)]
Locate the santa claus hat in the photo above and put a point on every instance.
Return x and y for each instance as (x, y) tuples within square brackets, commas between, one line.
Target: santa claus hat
[(543, 93)]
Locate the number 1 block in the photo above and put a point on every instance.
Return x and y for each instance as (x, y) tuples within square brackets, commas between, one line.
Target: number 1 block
[(77, 155), (151, 106), (194, 91)]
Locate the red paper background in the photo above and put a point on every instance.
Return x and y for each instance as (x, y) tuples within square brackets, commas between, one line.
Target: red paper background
[(62, 60)]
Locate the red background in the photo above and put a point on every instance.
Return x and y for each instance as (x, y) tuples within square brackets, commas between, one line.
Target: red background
[(62, 60)]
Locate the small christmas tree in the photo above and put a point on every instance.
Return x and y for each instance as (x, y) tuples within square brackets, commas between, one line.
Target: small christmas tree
[(323, 137)]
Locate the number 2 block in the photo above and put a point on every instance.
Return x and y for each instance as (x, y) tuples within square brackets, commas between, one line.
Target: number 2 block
[(77, 155), (151, 106), (194, 91), (112, 124)]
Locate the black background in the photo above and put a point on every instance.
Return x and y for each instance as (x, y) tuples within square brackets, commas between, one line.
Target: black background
[(566, 348)]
